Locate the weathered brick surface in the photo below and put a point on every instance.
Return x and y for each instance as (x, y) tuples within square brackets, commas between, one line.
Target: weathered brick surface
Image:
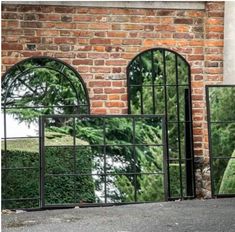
[(100, 42)]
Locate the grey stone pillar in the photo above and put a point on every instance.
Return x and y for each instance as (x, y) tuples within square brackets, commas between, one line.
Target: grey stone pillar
[(229, 43)]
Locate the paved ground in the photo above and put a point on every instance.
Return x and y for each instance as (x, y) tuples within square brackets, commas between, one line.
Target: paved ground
[(185, 216)]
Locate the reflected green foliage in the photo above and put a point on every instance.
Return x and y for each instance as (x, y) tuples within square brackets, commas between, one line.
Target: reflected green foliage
[(120, 155), (46, 85), (24, 183), (222, 109), (155, 89), (227, 185)]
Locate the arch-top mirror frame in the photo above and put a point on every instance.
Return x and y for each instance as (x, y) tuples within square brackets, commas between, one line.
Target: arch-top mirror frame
[(158, 82), (57, 67)]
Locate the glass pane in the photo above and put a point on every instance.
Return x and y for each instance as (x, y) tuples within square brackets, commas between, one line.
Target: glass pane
[(23, 183), (148, 101), (17, 125), (59, 190), (172, 104), (173, 140), (135, 99), (148, 131), (21, 153), (170, 68), (158, 67), (149, 159), (59, 131), (118, 130), (159, 100), (227, 185), (223, 175), (183, 97), (135, 72), (146, 67), (222, 104), (119, 159), (150, 188), (120, 189), (183, 72), (89, 131), (90, 189), (89, 160), (174, 174), (222, 139), (59, 160)]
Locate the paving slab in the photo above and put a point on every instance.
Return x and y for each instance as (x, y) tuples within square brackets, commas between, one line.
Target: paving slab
[(180, 216)]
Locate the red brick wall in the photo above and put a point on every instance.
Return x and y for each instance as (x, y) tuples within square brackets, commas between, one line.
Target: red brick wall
[(100, 42)]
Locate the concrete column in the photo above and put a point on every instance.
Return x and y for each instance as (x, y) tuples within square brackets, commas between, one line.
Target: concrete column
[(229, 43)]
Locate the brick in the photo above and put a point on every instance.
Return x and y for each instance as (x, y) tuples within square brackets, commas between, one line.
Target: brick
[(12, 46), (98, 91), (183, 21), (65, 9), (99, 62), (82, 18), (100, 70), (113, 97), (98, 55), (83, 62), (98, 111), (97, 104), (60, 40), (99, 26), (31, 24), (114, 90), (114, 104), (66, 18), (166, 13), (100, 34), (116, 34), (99, 11), (183, 35), (99, 97), (133, 27), (100, 41), (99, 83), (215, 21), (116, 62)]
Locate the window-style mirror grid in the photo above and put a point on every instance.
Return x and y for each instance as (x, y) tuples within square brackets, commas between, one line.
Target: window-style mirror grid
[(117, 158), (159, 83), (221, 126), (34, 87)]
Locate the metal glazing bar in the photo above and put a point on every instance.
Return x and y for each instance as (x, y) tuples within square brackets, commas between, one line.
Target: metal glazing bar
[(74, 159), (106, 174), (209, 140), (153, 78), (158, 85), (178, 125), (166, 120), (109, 145), (141, 91), (20, 168), (135, 161), (21, 199), (42, 155), (105, 171), (43, 107)]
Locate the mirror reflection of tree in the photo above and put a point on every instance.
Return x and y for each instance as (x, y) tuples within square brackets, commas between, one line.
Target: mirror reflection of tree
[(222, 117), (158, 84), (33, 87)]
